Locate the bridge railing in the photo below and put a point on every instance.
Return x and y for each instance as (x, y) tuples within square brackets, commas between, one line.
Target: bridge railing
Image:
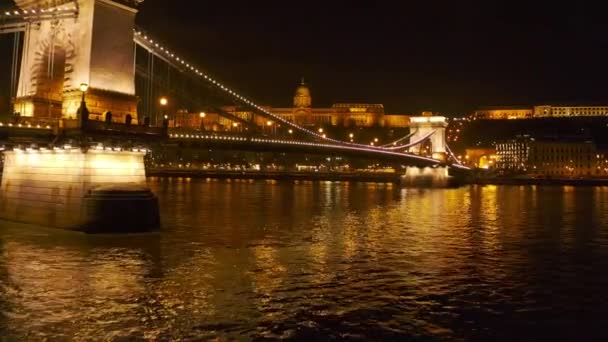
[(113, 127)]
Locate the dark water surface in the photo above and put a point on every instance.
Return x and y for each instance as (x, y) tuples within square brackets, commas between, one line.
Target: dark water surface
[(320, 261)]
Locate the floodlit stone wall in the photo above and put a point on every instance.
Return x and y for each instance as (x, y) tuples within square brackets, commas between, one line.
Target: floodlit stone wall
[(47, 187)]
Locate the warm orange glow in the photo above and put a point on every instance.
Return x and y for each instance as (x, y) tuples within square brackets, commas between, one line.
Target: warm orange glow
[(84, 87), (203, 114), (235, 124), (269, 123), (320, 130), (164, 101)]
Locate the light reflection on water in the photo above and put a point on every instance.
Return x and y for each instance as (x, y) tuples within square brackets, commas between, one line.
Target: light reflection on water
[(308, 260)]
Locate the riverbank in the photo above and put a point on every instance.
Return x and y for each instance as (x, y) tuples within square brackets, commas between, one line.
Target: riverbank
[(540, 181), (380, 177)]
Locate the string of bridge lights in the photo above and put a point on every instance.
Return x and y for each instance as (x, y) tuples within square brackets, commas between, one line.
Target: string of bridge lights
[(361, 148), (419, 141), (196, 72), (453, 155), (10, 124), (40, 11), (99, 148)]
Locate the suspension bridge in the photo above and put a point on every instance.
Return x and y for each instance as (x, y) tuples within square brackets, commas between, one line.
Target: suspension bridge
[(66, 49)]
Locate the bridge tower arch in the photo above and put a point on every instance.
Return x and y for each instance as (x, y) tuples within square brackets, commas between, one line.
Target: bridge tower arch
[(433, 128), (95, 47)]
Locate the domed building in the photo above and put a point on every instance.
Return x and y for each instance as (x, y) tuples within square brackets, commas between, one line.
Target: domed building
[(339, 114), (302, 98)]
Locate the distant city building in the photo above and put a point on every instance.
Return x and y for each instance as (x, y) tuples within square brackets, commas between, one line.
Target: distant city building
[(483, 158), (565, 111), (504, 113), (552, 158), (513, 155), (560, 158), (339, 114), (540, 111)]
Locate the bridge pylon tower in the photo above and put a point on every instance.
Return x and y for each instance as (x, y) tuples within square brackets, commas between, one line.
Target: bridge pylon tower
[(433, 125), (93, 46)]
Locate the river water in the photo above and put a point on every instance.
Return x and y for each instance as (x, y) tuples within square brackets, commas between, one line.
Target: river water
[(320, 261)]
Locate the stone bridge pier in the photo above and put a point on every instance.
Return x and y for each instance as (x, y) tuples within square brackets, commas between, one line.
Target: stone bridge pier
[(94, 191)]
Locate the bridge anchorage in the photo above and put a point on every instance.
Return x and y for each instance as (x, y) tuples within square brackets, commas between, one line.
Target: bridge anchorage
[(57, 172)]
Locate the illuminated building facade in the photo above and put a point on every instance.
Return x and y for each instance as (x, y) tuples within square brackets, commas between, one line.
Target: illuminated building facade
[(566, 111), (513, 155), (540, 111), (504, 113), (483, 158), (565, 159), (549, 158), (339, 114)]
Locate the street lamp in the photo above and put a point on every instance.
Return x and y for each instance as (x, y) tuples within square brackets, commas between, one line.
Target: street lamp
[(320, 130), (83, 88), (351, 135), (83, 112), (270, 126), (163, 103), (202, 116), (290, 131)]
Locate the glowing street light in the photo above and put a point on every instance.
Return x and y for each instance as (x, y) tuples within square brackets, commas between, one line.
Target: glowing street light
[(235, 124), (320, 130), (290, 131), (83, 111), (202, 114), (268, 123), (163, 103), (84, 87), (351, 135), (375, 139)]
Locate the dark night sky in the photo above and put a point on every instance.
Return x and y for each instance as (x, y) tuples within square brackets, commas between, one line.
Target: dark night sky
[(447, 56)]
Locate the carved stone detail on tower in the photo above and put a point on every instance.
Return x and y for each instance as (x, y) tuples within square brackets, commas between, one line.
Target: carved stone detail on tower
[(96, 48)]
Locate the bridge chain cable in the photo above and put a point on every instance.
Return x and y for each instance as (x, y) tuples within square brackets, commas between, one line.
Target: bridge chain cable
[(451, 154), (147, 42), (362, 148), (412, 144), (394, 143)]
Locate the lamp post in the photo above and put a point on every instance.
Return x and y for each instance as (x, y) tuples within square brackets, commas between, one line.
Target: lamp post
[(83, 112), (163, 104), (202, 116)]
